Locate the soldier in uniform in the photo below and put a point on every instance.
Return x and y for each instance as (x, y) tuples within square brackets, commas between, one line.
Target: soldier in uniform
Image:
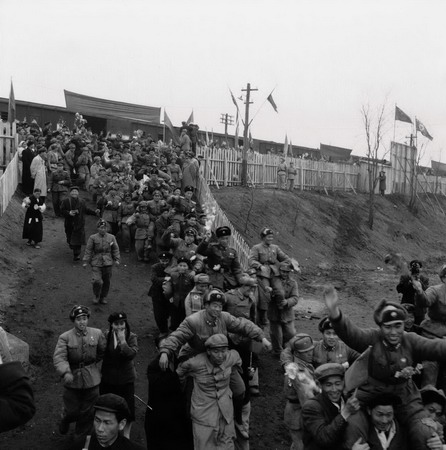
[(280, 309), (195, 299), (101, 251), (331, 349), (76, 359), (58, 185), (224, 267), (265, 258)]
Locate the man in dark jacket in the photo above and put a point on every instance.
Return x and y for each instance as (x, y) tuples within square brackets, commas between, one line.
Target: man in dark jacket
[(406, 288), (160, 303), (325, 416), (74, 209)]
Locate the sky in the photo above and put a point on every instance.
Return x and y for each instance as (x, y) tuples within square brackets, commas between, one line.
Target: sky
[(322, 59)]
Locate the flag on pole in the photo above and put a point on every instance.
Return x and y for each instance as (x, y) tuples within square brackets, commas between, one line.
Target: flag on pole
[(290, 149), (169, 125), (191, 118), (273, 103), (251, 141), (11, 106), (236, 132), (422, 129), (233, 99), (207, 137), (285, 146), (401, 115)]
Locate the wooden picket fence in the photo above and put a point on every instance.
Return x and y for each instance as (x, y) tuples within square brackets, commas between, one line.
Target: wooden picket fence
[(223, 168), (218, 218), (9, 164)]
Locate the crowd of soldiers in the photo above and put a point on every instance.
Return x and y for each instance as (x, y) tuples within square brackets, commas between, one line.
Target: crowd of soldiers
[(355, 389)]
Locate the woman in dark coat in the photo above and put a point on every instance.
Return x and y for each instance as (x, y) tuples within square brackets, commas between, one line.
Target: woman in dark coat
[(27, 157), (32, 226), (118, 369)]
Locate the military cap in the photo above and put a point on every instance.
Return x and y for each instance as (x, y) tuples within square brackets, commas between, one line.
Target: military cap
[(285, 266), (325, 324), (78, 311), (430, 394), (415, 262), (302, 342), (329, 370), (384, 399), (191, 231), (74, 188), (223, 231), (183, 259), (113, 317), (113, 403), (97, 158), (101, 223), (389, 312), (143, 204), (215, 296), (246, 280), (266, 231), (165, 255), (189, 189), (201, 278), (216, 341)]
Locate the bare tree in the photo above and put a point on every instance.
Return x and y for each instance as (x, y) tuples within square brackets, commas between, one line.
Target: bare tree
[(374, 132)]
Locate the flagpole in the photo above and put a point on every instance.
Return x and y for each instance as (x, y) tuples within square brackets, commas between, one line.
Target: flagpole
[(394, 124), (164, 126)]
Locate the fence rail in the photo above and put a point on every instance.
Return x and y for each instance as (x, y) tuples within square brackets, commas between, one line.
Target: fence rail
[(218, 218), (223, 167)]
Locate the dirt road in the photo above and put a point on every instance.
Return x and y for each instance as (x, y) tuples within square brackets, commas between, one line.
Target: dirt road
[(44, 284)]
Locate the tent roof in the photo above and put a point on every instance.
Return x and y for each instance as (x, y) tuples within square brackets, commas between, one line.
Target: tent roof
[(100, 107)]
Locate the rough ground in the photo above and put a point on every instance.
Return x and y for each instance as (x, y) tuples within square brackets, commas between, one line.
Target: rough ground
[(326, 234)]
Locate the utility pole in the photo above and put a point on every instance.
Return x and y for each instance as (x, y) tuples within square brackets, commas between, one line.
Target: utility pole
[(244, 179), (227, 120)]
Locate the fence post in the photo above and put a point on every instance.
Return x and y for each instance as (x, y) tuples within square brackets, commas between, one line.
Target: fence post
[(332, 181), (301, 176), (225, 169), (263, 172), (345, 181)]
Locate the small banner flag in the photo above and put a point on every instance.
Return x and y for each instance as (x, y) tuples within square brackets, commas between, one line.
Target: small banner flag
[(422, 129), (401, 115), (11, 106), (285, 146), (169, 125), (273, 103), (191, 118), (233, 99)]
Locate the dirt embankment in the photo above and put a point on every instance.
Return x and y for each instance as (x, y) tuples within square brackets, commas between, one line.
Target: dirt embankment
[(327, 235)]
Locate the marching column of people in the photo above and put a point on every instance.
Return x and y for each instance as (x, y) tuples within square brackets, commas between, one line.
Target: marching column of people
[(353, 389)]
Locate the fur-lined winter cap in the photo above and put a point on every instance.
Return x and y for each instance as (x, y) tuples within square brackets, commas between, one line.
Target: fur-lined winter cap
[(389, 312)]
